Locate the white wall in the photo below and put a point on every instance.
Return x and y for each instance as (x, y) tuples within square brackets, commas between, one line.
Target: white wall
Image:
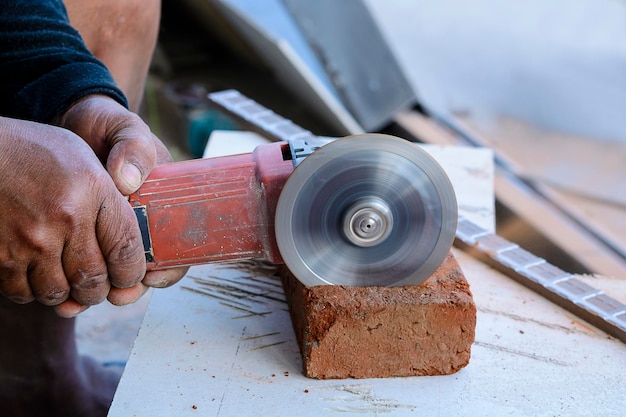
[(559, 64)]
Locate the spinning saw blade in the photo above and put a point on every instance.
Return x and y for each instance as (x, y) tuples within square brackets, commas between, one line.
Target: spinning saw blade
[(372, 210)]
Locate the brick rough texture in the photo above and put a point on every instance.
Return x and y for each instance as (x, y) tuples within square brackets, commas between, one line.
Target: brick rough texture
[(376, 332)]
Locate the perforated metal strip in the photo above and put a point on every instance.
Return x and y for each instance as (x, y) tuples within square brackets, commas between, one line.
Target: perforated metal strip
[(559, 286), (534, 272), (261, 119), (258, 117)]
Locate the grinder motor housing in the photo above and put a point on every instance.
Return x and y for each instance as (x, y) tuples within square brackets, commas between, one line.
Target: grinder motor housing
[(212, 210)]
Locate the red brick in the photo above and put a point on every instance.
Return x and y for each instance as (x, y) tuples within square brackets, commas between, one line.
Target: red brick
[(376, 332)]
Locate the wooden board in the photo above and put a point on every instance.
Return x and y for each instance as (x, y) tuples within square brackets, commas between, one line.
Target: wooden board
[(220, 343), (567, 226)]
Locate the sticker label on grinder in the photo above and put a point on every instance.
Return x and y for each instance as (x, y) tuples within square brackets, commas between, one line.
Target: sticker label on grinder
[(142, 220)]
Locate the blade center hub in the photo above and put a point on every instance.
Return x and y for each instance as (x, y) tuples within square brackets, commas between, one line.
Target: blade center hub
[(368, 222)]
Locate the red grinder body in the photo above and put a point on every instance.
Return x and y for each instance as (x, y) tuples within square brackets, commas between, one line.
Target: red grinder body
[(212, 210)]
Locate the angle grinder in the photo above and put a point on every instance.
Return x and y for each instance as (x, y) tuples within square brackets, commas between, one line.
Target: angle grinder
[(364, 210)]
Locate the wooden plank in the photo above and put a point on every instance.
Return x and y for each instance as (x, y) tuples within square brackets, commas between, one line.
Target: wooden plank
[(588, 167), (543, 216), (582, 177)]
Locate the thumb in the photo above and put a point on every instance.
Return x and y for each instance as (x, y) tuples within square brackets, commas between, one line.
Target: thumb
[(131, 175), (131, 158), (119, 137)]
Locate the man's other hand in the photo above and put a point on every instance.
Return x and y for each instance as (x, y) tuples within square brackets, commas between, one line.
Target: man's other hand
[(67, 235)]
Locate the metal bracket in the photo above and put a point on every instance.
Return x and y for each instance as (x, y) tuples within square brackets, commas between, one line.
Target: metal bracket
[(300, 149)]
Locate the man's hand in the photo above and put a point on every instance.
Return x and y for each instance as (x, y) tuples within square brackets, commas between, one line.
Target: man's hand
[(129, 150), (67, 235), (121, 140)]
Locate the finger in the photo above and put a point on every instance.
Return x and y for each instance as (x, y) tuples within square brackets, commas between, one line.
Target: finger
[(119, 137), (47, 281), (69, 308), (164, 278), (120, 240), (85, 267), (132, 157), (14, 283), (124, 296), (163, 154)]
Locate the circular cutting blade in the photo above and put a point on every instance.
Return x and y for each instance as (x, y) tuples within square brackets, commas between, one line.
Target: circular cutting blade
[(363, 210)]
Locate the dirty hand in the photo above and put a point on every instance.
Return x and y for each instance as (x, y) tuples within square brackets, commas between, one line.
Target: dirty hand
[(67, 235), (129, 151)]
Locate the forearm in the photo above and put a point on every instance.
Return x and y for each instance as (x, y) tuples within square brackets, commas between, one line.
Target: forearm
[(44, 64)]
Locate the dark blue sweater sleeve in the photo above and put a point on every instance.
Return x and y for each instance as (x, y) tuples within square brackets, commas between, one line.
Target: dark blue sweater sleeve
[(44, 63)]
